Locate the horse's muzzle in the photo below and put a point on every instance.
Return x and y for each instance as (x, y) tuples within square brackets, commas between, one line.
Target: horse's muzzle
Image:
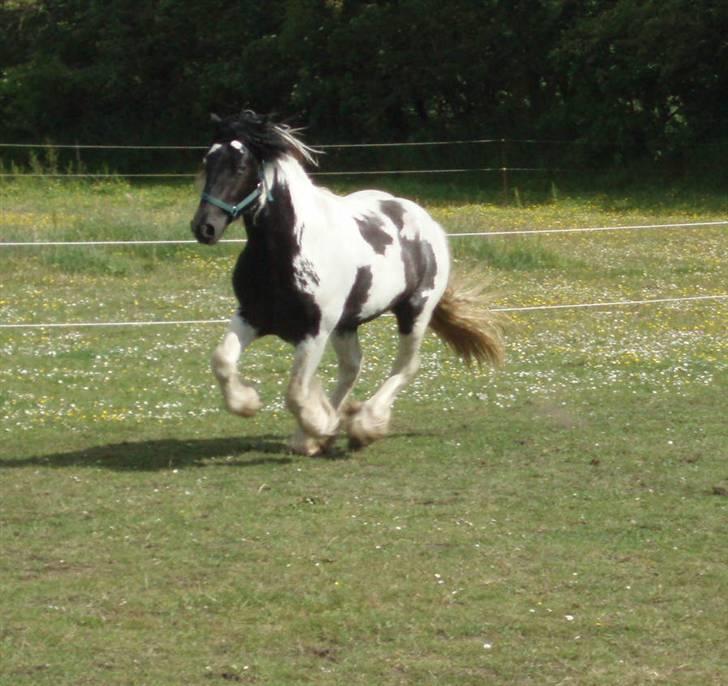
[(205, 233)]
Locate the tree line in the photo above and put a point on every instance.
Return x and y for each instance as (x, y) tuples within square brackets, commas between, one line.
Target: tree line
[(631, 79)]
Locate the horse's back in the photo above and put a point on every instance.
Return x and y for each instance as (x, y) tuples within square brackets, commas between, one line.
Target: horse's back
[(368, 195), (409, 218), (409, 225)]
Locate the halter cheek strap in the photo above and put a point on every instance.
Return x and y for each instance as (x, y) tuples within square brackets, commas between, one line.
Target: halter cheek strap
[(236, 210)]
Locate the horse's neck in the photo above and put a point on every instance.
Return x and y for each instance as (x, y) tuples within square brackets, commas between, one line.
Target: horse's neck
[(286, 201)]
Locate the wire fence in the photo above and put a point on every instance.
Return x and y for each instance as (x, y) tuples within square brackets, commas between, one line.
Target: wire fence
[(453, 235), (322, 146), (360, 172), (504, 170), (516, 309), (408, 158), (525, 308)]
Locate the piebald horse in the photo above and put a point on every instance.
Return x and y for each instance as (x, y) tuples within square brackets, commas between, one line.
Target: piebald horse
[(315, 267)]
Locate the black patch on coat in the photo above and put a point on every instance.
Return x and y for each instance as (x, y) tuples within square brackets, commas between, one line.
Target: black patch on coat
[(264, 279), (370, 227), (394, 211), (420, 269), (350, 317)]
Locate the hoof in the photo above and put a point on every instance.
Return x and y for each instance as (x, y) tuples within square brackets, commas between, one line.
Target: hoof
[(244, 402), (355, 443), (302, 444), (322, 426), (364, 427), (241, 399)]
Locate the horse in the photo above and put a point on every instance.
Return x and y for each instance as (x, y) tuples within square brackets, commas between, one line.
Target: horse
[(315, 267)]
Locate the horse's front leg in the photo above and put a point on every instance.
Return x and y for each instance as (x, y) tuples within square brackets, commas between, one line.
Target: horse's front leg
[(317, 418), (240, 398)]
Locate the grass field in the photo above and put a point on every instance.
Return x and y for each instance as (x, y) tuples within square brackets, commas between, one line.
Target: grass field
[(560, 521)]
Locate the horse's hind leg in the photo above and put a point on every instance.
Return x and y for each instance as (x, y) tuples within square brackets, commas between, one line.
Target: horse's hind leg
[(240, 398), (370, 421), (348, 353)]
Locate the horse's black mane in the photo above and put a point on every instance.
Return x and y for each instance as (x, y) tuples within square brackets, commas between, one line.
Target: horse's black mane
[(265, 139)]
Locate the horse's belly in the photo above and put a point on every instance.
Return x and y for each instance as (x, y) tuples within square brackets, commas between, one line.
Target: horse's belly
[(370, 289), (387, 284)]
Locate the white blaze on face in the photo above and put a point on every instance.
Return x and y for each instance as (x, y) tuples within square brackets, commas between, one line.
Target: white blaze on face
[(214, 148), (237, 145)]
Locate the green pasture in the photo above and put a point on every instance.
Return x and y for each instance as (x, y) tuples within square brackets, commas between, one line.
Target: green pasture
[(562, 520)]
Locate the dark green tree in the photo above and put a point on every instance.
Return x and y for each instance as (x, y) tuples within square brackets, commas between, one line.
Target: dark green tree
[(631, 78)]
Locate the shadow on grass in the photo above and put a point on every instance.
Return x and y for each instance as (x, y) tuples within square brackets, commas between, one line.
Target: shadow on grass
[(172, 453), (167, 453)]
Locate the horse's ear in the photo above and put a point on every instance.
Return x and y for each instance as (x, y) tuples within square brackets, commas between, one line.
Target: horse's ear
[(252, 118), (215, 119)]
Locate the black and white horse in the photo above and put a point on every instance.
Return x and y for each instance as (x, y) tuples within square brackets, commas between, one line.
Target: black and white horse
[(315, 267)]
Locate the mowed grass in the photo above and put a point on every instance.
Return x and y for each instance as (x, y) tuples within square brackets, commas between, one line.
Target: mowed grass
[(559, 521)]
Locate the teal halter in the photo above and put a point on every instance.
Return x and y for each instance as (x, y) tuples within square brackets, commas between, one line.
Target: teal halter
[(236, 210)]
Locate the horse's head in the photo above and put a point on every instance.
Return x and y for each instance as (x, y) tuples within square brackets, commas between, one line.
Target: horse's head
[(232, 182), (234, 176)]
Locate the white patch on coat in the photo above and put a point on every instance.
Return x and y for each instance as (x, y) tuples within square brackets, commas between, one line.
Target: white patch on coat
[(304, 274), (413, 218)]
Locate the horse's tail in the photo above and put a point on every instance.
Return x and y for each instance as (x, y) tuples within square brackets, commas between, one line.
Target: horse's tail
[(462, 319)]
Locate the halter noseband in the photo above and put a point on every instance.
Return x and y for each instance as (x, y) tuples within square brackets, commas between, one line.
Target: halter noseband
[(236, 210)]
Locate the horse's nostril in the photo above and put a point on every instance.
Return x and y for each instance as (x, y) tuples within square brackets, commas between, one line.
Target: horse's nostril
[(208, 231), (204, 231)]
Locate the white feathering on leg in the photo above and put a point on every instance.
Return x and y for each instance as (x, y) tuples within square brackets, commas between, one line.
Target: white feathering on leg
[(240, 399)]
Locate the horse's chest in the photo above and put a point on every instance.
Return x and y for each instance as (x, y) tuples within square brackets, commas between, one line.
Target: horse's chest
[(275, 293)]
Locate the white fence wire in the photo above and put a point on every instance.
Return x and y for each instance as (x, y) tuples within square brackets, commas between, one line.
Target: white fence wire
[(502, 142), (375, 172), (528, 308), (455, 235), (464, 234), (323, 146)]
